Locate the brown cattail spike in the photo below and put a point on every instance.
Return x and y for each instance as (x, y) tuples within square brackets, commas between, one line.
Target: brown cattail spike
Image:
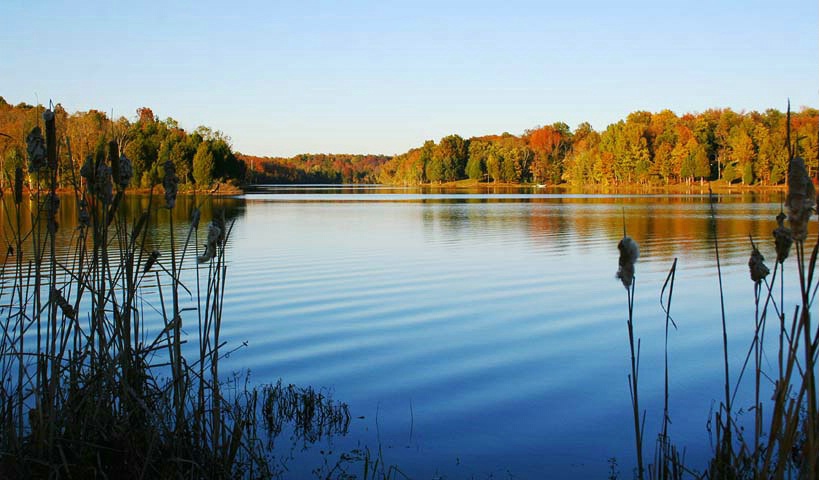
[(126, 172), (113, 160), (213, 241), (67, 308), (84, 216), (51, 205), (171, 184), (103, 186), (756, 264), (629, 253), (36, 149), (18, 185), (51, 139), (782, 238), (800, 200), (151, 261)]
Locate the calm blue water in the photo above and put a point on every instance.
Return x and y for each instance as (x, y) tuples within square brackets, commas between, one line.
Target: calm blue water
[(485, 335), (477, 335)]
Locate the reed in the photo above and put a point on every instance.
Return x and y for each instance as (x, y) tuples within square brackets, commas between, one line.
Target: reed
[(89, 386), (785, 441)]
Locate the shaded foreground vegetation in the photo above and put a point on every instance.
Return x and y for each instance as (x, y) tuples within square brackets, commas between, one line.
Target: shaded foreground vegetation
[(97, 379), (782, 439)]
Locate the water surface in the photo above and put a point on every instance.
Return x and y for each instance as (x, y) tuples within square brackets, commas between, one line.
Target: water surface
[(484, 333), (477, 334)]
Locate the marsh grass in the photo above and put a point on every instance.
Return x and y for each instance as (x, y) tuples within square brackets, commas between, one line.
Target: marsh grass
[(90, 386), (785, 432)]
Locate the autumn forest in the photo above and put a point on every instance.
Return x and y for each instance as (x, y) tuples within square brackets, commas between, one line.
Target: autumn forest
[(646, 148)]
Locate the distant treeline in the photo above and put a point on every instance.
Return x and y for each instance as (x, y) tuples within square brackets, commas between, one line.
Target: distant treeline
[(315, 168), (645, 148), (201, 157)]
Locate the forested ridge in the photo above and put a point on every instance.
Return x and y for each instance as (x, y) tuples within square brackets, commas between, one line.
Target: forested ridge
[(643, 149), (315, 168), (646, 148), (201, 157)]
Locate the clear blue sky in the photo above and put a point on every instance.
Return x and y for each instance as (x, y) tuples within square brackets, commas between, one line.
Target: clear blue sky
[(381, 77)]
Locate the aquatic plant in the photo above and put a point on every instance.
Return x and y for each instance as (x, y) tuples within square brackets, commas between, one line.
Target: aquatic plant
[(629, 252), (785, 442), (90, 387)]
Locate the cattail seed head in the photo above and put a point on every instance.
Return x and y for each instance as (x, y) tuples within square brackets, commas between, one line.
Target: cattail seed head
[(87, 170), (18, 185), (629, 253), (126, 172), (84, 217), (36, 149), (782, 238), (800, 200), (213, 241), (51, 205), (113, 159), (67, 308), (756, 264), (151, 261), (103, 186), (170, 183), (50, 139)]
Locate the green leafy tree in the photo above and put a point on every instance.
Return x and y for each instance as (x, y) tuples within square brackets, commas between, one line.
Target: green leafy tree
[(476, 164), (451, 153), (494, 159), (203, 165)]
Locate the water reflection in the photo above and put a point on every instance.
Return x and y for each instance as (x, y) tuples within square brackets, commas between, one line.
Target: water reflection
[(157, 233)]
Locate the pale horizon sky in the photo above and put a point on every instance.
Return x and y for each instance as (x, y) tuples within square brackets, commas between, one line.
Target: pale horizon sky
[(281, 78)]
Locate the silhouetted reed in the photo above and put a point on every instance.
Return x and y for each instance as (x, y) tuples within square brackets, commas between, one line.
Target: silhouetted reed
[(88, 387)]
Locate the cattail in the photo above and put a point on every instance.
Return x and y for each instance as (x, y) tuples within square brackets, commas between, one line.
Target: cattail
[(67, 308), (51, 205), (84, 216), (18, 185), (219, 220), (214, 234), (51, 139), (113, 159), (151, 261), (87, 171), (782, 238), (195, 215), (629, 252), (756, 264), (126, 172), (170, 183), (103, 186), (35, 146), (800, 200)]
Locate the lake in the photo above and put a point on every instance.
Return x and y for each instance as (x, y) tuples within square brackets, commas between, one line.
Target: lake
[(483, 334)]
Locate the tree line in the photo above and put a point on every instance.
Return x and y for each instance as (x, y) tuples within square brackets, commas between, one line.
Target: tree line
[(201, 157), (646, 148), (315, 168)]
